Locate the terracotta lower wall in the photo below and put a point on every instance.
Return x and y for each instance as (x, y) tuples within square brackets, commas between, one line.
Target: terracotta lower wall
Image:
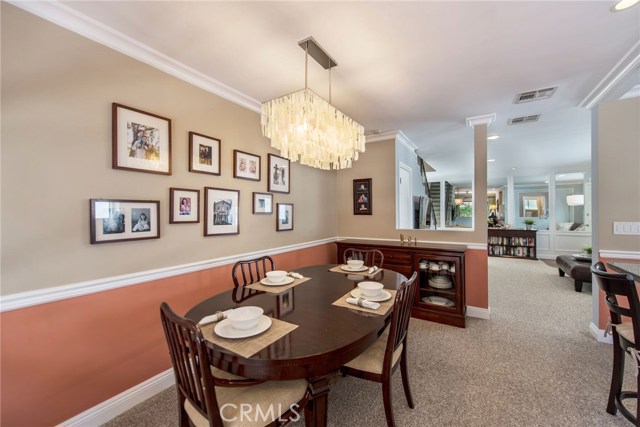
[(62, 358), (476, 278)]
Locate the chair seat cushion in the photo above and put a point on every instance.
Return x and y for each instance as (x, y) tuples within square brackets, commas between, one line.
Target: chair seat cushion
[(279, 395), (372, 359), (626, 331)]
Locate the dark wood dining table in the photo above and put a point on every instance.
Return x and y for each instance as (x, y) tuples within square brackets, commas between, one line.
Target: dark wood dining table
[(327, 336)]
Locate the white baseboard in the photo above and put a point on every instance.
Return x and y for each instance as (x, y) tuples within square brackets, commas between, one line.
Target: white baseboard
[(480, 313), (598, 334), (109, 409)]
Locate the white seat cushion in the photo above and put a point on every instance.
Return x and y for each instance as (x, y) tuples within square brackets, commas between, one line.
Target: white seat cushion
[(626, 330), (279, 395), (372, 359)]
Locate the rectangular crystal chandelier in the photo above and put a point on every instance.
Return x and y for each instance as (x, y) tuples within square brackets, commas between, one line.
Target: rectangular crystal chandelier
[(307, 128)]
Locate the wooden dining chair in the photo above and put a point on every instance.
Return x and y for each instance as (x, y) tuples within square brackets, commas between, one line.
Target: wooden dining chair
[(379, 362), (625, 334), (206, 400), (370, 257), (251, 270)]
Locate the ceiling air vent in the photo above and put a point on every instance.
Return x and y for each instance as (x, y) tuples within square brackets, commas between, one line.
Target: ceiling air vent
[(523, 119), (535, 95)]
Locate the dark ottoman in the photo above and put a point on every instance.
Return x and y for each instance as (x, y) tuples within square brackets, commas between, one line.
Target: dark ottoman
[(578, 270)]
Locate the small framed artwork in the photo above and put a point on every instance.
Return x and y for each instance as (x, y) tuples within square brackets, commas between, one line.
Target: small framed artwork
[(184, 206), (221, 213), (284, 220), (278, 175), (246, 165), (141, 140), (262, 203), (121, 220), (362, 201), (285, 303), (204, 154)]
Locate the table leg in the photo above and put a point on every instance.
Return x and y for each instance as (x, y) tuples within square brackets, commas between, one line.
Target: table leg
[(315, 415)]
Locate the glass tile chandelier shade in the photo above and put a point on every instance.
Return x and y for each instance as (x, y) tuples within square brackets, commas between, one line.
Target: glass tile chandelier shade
[(307, 128)]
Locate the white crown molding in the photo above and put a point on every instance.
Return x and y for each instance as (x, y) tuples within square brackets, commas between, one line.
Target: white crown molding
[(404, 140), (382, 136), (485, 119), (66, 17), (598, 334), (626, 65), (634, 92), (58, 293), (111, 408), (478, 312), (604, 253)]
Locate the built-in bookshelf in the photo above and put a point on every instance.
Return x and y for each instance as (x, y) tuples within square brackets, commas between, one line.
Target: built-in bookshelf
[(512, 243)]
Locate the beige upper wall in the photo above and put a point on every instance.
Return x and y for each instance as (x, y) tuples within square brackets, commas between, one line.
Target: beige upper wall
[(618, 172), (379, 163), (57, 90)]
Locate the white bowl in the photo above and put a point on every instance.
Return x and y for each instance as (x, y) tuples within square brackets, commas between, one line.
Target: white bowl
[(276, 276), (245, 317), (355, 263), (370, 289)]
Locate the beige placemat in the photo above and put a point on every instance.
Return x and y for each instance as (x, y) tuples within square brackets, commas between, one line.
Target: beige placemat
[(384, 308), (338, 269), (247, 347), (277, 289)]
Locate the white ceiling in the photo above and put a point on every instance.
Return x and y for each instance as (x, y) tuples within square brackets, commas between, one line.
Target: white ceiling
[(418, 67)]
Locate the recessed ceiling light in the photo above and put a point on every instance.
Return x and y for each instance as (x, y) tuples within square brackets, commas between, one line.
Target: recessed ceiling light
[(546, 182), (623, 4), (514, 168), (560, 175), (491, 160), (493, 137)]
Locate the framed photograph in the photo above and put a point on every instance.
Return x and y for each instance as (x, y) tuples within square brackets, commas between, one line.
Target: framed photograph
[(285, 303), (278, 175), (141, 141), (246, 165), (284, 221), (262, 203), (204, 154), (121, 220), (221, 213), (362, 201), (184, 206)]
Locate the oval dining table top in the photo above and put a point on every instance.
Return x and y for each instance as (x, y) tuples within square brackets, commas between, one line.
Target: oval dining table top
[(327, 336)]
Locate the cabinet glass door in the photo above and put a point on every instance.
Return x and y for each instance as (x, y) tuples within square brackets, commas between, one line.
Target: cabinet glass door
[(438, 284)]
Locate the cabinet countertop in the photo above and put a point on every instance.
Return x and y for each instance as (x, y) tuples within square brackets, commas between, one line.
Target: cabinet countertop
[(398, 245)]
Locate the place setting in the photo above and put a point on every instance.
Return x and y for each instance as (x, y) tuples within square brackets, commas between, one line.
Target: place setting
[(243, 330), (278, 281), (356, 266), (370, 297)]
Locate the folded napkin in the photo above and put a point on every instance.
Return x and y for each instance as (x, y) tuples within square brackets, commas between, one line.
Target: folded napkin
[(363, 303), (296, 275), (372, 270), (216, 317)]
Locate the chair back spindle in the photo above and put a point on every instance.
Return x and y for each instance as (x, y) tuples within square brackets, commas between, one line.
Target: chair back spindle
[(401, 315), (371, 257)]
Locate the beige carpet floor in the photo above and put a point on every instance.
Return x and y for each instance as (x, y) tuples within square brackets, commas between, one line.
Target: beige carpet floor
[(533, 364)]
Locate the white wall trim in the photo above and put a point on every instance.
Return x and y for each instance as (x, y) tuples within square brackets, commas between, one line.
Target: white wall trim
[(111, 408), (604, 253), (598, 334), (404, 140), (382, 136), (478, 312), (470, 246), (79, 23), (42, 296)]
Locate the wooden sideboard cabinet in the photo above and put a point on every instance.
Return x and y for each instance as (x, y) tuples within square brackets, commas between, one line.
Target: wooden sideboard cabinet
[(441, 289), (513, 243)]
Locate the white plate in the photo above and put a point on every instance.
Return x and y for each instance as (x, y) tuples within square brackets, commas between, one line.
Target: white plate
[(438, 301), (347, 268), (440, 285), (268, 282), (225, 330), (382, 296)]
